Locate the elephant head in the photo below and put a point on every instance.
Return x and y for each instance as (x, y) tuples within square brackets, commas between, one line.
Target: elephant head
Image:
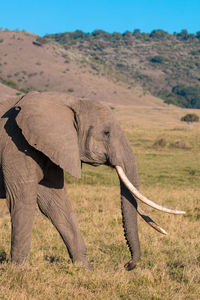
[(71, 131)]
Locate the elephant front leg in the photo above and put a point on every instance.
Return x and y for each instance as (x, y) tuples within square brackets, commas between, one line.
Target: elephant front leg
[(22, 207), (55, 205)]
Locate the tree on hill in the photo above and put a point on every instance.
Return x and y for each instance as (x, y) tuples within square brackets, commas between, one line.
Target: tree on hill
[(188, 95), (183, 34), (137, 32), (190, 118), (159, 34), (158, 59)]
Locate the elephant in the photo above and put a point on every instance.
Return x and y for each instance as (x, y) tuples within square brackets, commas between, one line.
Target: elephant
[(44, 134)]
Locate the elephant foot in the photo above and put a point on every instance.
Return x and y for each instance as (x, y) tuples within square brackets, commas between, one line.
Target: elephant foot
[(18, 258), (19, 261), (130, 265), (84, 264)]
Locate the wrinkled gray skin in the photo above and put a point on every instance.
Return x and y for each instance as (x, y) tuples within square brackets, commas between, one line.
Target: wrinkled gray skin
[(42, 134)]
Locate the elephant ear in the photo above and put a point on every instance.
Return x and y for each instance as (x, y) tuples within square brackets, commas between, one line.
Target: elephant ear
[(50, 128)]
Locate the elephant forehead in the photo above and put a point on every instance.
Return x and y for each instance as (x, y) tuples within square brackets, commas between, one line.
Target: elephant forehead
[(97, 115)]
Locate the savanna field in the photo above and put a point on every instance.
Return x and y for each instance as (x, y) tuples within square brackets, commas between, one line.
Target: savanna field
[(168, 156)]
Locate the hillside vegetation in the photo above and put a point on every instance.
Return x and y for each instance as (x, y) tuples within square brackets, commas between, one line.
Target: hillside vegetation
[(166, 65)]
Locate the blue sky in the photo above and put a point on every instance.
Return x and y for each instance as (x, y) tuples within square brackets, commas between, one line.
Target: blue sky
[(48, 16)]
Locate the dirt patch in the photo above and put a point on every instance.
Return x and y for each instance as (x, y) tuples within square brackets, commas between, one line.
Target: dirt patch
[(181, 144), (161, 143)]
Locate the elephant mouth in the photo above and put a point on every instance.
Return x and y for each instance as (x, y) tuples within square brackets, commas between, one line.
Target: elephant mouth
[(138, 196), (95, 164), (92, 163), (95, 159)]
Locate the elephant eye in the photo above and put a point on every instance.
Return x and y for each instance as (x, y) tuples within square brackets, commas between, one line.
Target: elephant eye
[(107, 133)]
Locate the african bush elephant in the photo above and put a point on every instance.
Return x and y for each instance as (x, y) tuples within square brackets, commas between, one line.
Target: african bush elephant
[(43, 134)]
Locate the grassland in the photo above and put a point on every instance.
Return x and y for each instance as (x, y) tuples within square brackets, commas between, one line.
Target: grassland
[(170, 265)]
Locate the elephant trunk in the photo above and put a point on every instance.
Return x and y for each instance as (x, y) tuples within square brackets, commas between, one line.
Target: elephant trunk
[(125, 164), (125, 158), (129, 214)]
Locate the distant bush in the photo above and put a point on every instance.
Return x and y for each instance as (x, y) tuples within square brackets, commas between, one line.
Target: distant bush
[(2, 255), (28, 89), (9, 82), (158, 59), (188, 95), (127, 34), (116, 36), (78, 34), (70, 90), (137, 33), (181, 95), (161, 143), (195, 52), (101, 34), (189, 118), (1, 40), (181, 145), (120, 65), (159, 34), (41, 40), (183, 34)]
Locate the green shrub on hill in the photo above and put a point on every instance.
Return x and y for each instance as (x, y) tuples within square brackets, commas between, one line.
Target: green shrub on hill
[(183, 96), (9, 82), (41, 40), (159, 34), (187, 96), (158, 59), (190, 118)]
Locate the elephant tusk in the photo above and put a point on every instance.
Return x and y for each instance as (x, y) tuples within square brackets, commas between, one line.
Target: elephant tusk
[(141, 197), (150, 221)]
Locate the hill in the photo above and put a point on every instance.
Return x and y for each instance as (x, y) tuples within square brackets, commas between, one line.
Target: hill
[(29, 62), (117, 68), (6, 91), (165, 65)]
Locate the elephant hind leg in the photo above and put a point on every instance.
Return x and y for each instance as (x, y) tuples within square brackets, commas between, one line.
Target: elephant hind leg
[(55, 205)]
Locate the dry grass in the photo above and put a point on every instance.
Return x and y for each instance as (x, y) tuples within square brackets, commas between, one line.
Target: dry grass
[(169, 266)]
